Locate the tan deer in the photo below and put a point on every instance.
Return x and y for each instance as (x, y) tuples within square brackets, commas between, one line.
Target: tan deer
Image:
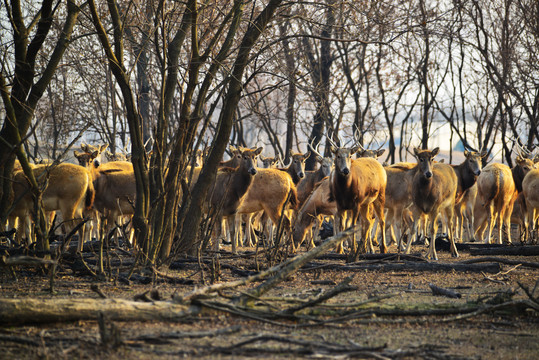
[(69, 189), (498, 187), (433, 193), (355, 185)]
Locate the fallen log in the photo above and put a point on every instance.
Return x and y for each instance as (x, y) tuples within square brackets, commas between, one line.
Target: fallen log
[(35, 311), (493, 267), (532, 265), (526, 250)]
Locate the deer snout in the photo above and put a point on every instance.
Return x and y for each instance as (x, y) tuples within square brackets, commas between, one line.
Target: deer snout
[(477, 172), (252, 171), (428, 174), (301, 175), (346, 171)]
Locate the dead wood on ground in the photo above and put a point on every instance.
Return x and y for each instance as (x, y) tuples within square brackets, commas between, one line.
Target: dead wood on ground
[(511, 250)]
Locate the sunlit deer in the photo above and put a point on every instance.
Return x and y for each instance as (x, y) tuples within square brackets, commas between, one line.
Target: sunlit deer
[(269, 192), (433, 193), (355, 185), (69, 189), (498, 187)]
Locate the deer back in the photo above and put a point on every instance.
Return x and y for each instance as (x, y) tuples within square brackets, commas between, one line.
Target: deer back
[(269, 190)]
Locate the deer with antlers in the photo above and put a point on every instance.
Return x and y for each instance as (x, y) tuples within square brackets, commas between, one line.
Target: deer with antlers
[(230, 191), (434, 188), (355, 185)]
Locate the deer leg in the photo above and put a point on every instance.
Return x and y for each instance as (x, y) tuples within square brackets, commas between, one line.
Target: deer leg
[(433, 230), (380, 215)]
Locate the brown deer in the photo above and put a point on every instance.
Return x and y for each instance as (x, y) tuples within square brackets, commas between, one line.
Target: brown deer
[(355, 185), (269, 162), (69, 189), (269, 192), (434, 188), (530, 188), (399, 199), (115, 190), (315, 205), (306, 185), (498, 187), (296, 167), (252, 219), (467, 173), (230, 191)]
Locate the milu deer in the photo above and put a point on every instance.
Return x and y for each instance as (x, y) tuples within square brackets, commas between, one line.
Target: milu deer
[(530, 188), (433, 193), (69, 189), (316, 205), (355, 185), (269, 192), (467, 173), (498, 187), (306, 185), (115, 187), (230, 191), (399, 199)]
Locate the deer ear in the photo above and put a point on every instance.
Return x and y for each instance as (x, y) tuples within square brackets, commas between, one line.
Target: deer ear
[(354, 150), (380, 152), (466, 153), (435, 151), (319, 159), (103, 147), (76, 153), (416, 151), (258, 151), (333, 149)]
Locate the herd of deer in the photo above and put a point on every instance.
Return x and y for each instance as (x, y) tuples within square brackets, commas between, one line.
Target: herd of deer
[(406, 199)]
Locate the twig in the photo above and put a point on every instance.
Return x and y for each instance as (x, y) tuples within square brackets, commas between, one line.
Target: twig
[(436, 290), (342, 287), (533, 265), (95, 288)]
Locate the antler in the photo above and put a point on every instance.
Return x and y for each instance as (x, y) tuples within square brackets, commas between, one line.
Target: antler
[(356, 138), (315, 151), (381, 146)]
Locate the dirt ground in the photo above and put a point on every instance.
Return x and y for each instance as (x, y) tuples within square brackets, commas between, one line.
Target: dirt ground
[(396, 324)]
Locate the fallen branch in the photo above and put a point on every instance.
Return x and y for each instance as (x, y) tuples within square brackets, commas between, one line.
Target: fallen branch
[(527, 250), (342, 287), (533, 265), (281, 272), (415, 266), (33, 311), (436, 290), (23, 260)]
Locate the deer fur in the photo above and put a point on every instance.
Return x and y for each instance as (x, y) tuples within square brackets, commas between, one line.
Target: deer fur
[(467, 173), (434, 188), (231, 189), (69, 190), (355, 185), (498, 187), (270, 190), (530, 188)]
